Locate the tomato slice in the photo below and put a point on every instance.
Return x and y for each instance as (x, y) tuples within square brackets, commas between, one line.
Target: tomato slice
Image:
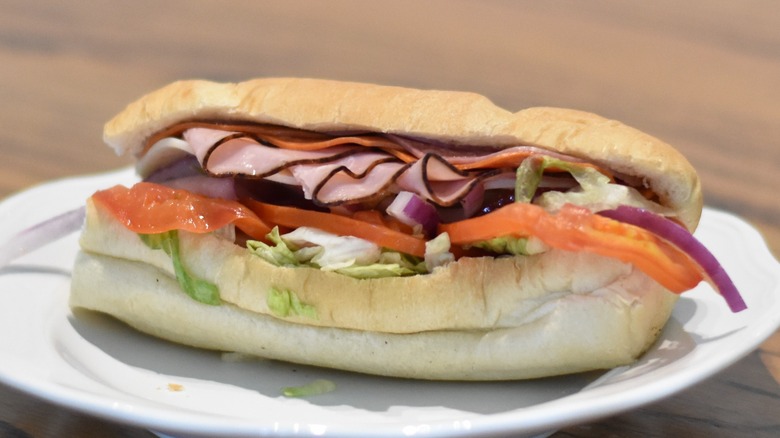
[(148, 208), (577, 229), (341, 225)]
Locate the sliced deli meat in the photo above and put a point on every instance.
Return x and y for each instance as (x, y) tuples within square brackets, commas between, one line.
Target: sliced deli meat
[(339, 169)]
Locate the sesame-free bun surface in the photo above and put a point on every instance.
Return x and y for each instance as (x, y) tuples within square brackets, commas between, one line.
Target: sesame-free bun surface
[(448, 116)]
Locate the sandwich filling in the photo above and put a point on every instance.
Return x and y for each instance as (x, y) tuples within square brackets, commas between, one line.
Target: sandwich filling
[(372, 205)]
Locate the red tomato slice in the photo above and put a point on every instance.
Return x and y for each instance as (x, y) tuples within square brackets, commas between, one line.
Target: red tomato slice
[(577, 229), (148, 208)]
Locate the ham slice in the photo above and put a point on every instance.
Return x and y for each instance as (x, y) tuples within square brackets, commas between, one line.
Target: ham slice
[(281, 136), (336, 169), (433, 178), (342, 186), (354, 177), (226, 153)]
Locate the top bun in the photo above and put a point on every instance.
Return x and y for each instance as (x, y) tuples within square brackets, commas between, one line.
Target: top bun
[(447, 116)]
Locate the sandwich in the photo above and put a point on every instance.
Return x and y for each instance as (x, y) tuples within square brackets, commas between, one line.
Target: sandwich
[(392, 231)]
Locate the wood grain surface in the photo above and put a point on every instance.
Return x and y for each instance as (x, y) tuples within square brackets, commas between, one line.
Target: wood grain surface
[(702, 75)]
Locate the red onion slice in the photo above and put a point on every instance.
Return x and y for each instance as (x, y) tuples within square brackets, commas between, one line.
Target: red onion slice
[(679, 236), (412, 210)]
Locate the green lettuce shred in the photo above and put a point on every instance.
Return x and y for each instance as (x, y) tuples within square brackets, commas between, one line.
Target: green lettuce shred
[(199, 290), (596, 191), (529, 175), (512, 245), (437, 252), (284, 303), (390, 263), (504, 245), (377, 270), (279, 254), (316, 387)]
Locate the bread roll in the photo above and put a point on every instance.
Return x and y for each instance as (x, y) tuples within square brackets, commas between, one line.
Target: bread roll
[(577, 324), (478, 318)]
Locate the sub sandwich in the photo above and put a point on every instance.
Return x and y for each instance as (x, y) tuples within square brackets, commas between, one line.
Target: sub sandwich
[(392, 231)]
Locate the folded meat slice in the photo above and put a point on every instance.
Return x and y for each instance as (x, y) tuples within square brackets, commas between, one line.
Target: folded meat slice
[(435, 179), (230, 153), (356, 177)]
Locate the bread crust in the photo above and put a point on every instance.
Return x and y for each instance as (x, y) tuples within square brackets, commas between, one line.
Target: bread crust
[(448, 116)]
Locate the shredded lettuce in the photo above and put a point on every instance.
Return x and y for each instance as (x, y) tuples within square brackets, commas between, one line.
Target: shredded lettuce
[(279, 254), (405, 266), (527, 178), (199, 290), (437, 252), (595, 192), (330, 251), (512, 245), (601, 197), (284, 303), (529, 175), (316, 387), (349, 256), (504, 245)]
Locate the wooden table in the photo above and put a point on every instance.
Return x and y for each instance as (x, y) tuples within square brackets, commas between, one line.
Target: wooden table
[(703, 75)]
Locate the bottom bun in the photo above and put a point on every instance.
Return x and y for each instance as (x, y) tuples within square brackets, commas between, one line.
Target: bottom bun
[(582, 332)]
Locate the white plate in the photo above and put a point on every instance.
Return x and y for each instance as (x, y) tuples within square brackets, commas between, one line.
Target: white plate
[(98, 366)]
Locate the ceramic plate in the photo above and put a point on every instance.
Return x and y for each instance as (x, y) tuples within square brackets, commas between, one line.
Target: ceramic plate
[(99, 366)]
